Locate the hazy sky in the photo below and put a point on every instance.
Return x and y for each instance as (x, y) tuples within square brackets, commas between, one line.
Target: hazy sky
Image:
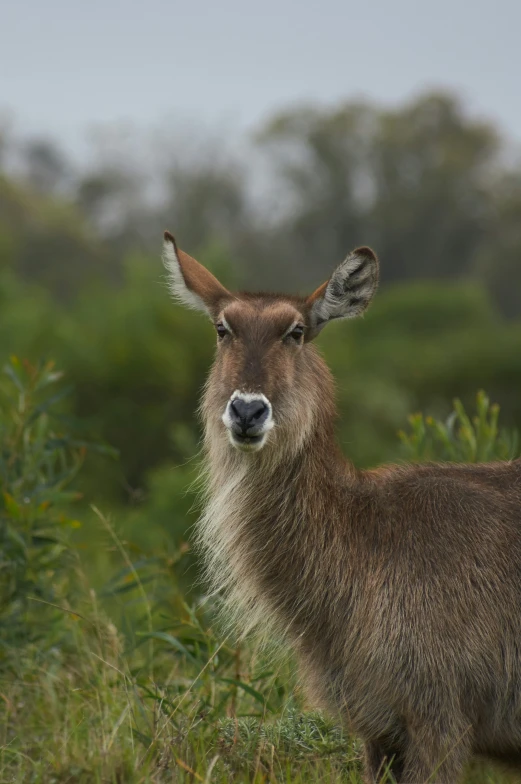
[(66, 65)]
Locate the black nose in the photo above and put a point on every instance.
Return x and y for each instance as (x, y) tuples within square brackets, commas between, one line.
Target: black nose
[(248, 416)]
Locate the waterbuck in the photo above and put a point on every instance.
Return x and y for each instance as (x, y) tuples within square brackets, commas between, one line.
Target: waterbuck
[(399, 588)]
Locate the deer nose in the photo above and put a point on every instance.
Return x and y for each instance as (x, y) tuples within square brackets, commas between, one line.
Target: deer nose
[(248, 416)]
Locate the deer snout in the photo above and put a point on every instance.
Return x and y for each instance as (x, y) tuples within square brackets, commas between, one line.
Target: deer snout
[(248, 417)]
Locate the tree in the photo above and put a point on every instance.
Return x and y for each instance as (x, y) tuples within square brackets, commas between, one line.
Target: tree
[(415, 182), (499, 260), (47, 169)]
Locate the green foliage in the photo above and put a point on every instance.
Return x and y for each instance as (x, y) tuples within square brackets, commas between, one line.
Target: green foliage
[(299, 740), (418, 347), (35, 227), (39, 461), (461, 439), (138, 363), (424, 182)]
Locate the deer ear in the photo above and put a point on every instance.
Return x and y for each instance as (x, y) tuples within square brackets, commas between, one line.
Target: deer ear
[(347, 293), (191, 283)]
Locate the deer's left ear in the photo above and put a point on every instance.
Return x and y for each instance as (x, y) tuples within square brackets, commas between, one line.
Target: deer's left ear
[(190, 282), (347, 293)]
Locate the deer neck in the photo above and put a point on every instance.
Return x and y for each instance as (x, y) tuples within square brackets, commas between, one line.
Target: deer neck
[(268, 518)]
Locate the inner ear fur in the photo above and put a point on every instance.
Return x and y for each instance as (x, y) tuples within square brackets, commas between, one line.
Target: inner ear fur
[(190, 282)]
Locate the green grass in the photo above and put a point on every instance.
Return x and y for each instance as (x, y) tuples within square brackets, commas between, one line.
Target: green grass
[(93, 712), (179, 704)]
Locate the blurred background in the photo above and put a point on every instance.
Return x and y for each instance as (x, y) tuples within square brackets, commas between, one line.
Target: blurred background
[(271, 140)]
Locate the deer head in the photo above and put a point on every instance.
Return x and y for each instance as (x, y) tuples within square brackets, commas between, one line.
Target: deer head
[(265, 385)]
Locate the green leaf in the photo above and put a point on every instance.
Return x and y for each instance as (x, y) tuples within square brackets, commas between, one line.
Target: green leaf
[(146, 740), (173, 641), (11, 507), (49, 403), (11, 370), (99, 448), (248, 689)]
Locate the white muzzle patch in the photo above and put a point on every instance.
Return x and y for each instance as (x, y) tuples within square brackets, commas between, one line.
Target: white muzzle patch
[(248, 418)]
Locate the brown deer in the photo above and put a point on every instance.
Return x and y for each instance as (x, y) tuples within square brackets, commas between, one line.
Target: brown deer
[(399, 588)]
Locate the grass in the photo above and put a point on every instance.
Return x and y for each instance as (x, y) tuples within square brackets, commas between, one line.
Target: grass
[(179, 704), (93, 712)]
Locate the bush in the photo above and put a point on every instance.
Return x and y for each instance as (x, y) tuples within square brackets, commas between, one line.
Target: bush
[(39, 460), (461, 439)]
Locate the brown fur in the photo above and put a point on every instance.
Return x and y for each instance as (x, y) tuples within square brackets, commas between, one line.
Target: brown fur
[(398, 588)]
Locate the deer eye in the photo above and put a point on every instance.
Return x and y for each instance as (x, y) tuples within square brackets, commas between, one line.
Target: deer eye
[(296, 333), (221, 330)]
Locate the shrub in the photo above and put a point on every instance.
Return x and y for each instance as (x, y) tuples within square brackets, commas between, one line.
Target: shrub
[(461, 439), (39, 460)]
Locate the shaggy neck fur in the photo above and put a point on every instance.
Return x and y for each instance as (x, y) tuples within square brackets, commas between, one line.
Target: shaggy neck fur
[(271, 518)]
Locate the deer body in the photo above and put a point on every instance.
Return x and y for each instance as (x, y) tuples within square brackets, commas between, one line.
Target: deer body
[(398, 588)]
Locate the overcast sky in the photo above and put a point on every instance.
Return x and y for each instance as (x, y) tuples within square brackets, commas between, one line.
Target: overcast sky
[(67, 65)]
